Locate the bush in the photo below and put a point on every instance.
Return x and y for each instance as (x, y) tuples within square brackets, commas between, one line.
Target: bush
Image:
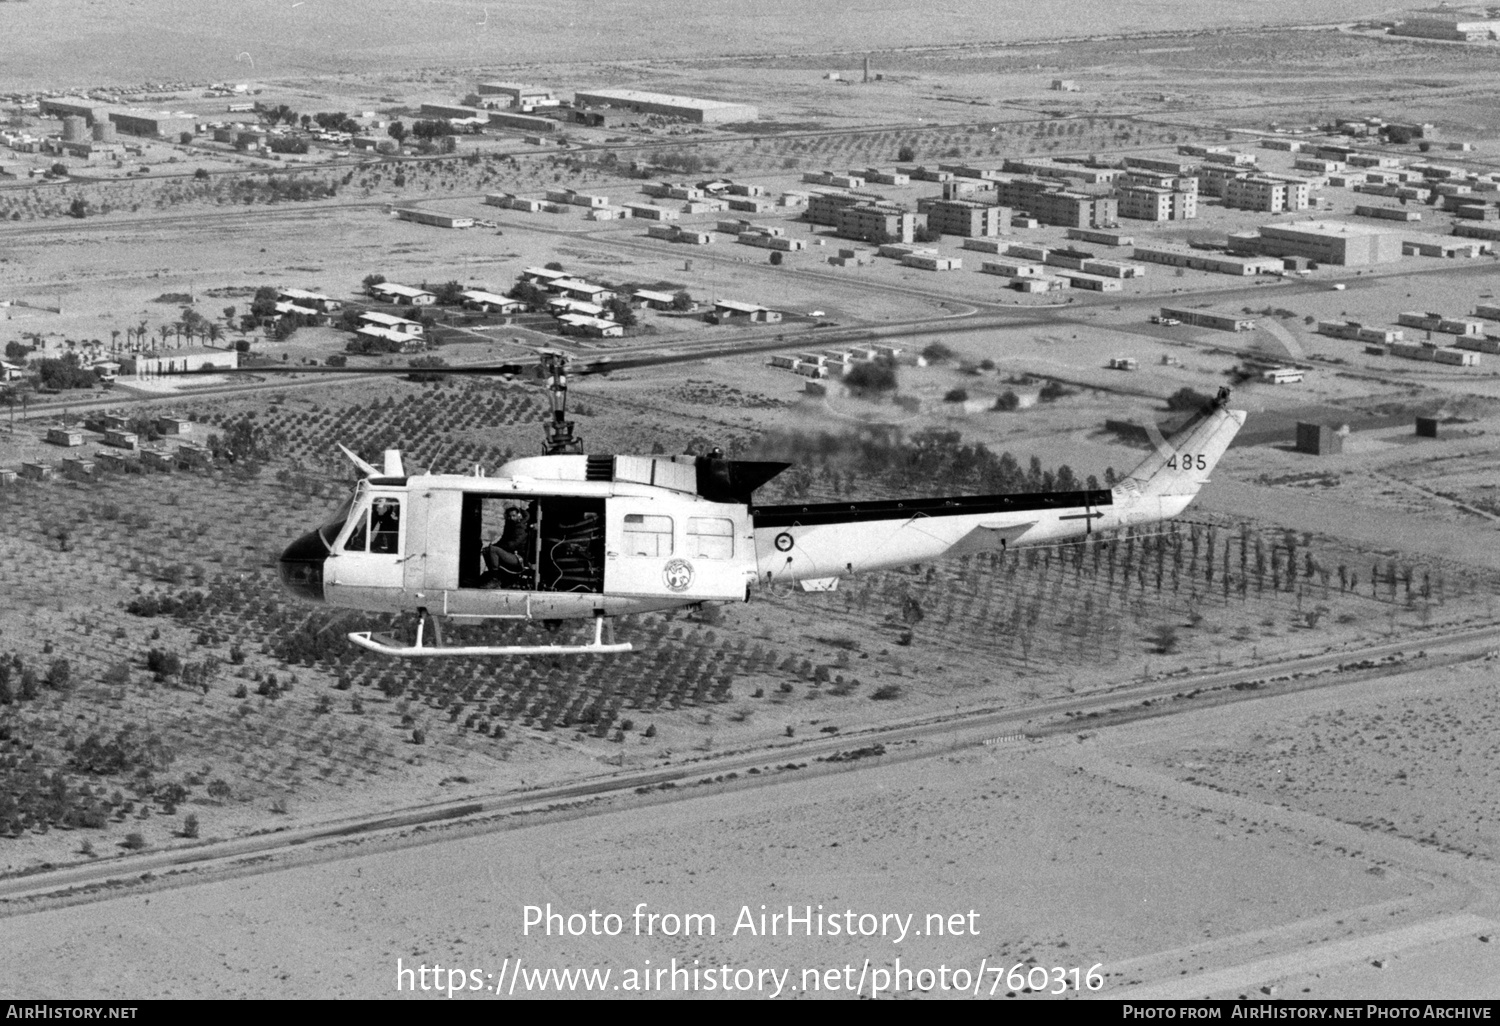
[(1053, 391), (1187, 399), (956, 395), (135, 841), (1007, 401), (190, 825), (887, 692), (937, 353), (875, 376)]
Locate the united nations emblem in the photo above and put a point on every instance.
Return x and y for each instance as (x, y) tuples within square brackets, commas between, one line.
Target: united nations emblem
[(678, 574), (783, 542)]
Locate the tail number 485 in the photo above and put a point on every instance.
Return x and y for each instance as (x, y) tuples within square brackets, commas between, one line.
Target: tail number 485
[(1187, 461)]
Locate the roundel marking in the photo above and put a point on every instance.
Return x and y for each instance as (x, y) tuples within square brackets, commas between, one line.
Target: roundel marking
[(783, 542), (678, 574)]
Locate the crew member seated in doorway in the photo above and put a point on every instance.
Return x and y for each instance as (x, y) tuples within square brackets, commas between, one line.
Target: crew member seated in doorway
[(505, 558)]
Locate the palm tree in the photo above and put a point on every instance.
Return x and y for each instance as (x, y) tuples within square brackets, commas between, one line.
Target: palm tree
[(214, 333), (114, 340), (166, 329)]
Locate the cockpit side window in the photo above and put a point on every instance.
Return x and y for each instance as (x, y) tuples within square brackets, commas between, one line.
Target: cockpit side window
[(385, 525)]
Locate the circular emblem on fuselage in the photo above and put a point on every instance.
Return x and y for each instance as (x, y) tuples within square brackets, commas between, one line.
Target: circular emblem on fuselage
[(678, 574), (783, 542)]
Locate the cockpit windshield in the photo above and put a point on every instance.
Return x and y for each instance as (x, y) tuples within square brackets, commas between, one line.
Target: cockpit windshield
[(330, 528)]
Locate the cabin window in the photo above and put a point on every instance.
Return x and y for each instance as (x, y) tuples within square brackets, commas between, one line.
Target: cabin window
[(647, 535), (710, 537), (359, 538)]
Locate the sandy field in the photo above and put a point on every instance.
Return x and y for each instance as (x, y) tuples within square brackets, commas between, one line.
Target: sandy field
[(1140, 850)]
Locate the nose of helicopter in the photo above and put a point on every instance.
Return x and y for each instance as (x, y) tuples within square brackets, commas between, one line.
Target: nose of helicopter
[(301, 567)]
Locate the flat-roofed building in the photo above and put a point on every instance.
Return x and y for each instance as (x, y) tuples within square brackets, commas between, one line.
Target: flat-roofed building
[(872, 222), (1012, 268), (685, 107), (1346, 245), (1259, 192), (1101, 238), (651, 212), (160, 124), (1203, 260), (1450, 355), (173, 361), (1153, 203), (1359, 332), (1208, 319), (1091, 282), (1049, 204), (1443, 248), (967, 218), (1387, 213), (433, 217), (1453, 24), (520, 122), (518, 93), (932, 262)]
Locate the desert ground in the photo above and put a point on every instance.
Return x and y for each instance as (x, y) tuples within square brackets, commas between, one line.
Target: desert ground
[(1247, 753)]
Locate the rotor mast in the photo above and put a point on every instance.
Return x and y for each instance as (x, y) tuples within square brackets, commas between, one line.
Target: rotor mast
[(559, 438)]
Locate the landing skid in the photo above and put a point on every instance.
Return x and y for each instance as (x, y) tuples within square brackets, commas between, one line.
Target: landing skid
[(387, 645)]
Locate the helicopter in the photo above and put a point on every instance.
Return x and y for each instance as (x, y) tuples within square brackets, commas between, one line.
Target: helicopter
[(566, 535)]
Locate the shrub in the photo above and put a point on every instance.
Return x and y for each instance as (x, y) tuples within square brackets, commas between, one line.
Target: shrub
[(1007, 401), (135, 841), (956, 395), (887, 692), (190, 825)]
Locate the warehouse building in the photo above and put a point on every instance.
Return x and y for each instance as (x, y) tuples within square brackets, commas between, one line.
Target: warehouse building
[(177, 361), (434, 218), (686, 107), (518, 94), (1345, 245), (1451, 24), (521, 122), (157, 124)]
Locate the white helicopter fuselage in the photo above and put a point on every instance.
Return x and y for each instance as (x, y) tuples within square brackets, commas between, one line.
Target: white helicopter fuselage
[(610, 536)]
